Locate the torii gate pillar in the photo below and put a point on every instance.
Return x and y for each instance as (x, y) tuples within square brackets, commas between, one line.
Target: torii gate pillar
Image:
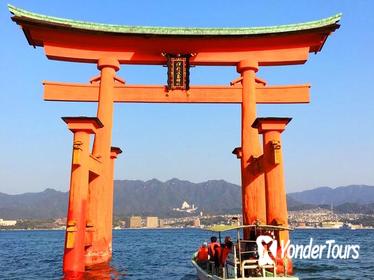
[(101, 194), (253, 192), (75, 239), (272, 162)]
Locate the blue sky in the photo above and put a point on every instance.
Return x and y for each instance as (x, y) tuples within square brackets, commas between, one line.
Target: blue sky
[(328, 143)]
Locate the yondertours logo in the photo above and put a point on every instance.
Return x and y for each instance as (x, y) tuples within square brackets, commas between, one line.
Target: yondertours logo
[(268, 250), (266, 245)]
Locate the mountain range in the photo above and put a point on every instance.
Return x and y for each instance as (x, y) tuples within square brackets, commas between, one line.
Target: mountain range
[(153, 197)]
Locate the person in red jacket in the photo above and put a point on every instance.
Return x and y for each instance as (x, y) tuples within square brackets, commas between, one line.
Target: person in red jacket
[(217, 255), (212, 244), (225, 252), (202, 256)]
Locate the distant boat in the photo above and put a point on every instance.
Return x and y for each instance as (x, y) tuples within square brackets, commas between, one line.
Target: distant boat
[(238, 266)]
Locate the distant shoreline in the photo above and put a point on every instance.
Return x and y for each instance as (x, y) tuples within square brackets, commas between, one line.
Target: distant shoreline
[(61, 229)]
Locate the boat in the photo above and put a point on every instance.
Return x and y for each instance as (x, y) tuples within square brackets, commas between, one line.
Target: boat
[(243, 260)]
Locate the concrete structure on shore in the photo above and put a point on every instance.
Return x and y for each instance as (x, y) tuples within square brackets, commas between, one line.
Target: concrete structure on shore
[(161, 222), (196, 223), (152, 222), (135, 222)]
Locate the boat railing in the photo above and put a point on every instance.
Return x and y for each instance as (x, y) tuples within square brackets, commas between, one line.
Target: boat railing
[(243, 257), (248, 249), (242, 261), (232, 264), (249, 258)]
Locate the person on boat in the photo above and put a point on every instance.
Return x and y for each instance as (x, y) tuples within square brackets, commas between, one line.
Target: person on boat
[(212, 244), (217, 257), (202, 256), (225, 251)]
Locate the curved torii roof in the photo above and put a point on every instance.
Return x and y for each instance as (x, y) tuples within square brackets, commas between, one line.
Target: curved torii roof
[(72, 40)]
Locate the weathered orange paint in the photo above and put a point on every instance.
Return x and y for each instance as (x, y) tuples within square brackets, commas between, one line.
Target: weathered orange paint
[(95, 166), (82, 127), (276, 203), (159, 94), (101, 194), (253, 192)]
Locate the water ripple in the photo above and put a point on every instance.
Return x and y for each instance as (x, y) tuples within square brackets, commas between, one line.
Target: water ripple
[(165, 254)]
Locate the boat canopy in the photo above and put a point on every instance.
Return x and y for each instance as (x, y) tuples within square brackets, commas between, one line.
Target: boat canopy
[(222, 228)]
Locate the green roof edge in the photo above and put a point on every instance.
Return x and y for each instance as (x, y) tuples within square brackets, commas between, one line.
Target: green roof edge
[(175, 31)]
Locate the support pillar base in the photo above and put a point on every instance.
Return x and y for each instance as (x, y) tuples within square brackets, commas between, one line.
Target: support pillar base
[(72, 275), (98, 257)]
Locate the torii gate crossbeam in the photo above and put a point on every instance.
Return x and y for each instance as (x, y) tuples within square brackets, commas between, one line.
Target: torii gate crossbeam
[(159, 94)]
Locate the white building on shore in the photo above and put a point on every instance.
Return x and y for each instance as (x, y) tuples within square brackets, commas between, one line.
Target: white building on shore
[(7, 223), (186, 208)]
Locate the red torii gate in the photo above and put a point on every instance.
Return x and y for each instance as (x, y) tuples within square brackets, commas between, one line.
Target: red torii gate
[(89, 223)]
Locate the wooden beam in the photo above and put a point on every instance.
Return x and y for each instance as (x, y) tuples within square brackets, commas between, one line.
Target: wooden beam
[(158, 94), (287, 56), (95, 165)]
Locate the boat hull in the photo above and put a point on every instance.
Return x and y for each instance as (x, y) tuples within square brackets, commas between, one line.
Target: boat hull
[(203, 275)]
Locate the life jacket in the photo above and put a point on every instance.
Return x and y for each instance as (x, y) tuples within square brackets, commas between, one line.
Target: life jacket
[(217, 256), (283, 265), (211, 248), (202, 254), (225, 252)]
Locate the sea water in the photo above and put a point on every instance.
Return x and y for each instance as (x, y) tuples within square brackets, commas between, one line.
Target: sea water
[(166, 254)]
